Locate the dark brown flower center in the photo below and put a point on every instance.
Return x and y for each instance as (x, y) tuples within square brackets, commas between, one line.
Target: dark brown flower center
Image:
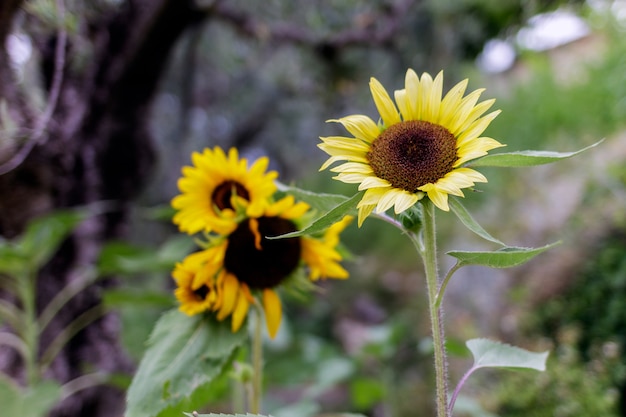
[(413, 153), (260, 262), (201, 292), (222, 193)]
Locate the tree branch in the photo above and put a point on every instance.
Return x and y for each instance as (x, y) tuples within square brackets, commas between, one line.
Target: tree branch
[(378, 30), (53, 97)]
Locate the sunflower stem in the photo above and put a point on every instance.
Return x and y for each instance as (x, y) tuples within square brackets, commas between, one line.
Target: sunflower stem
[(257, 361), (427, 247)]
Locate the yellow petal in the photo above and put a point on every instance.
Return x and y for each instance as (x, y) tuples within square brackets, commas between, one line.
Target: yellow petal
[(383, 102), (451, 102), (364, 212), (374, 182), (273, 311), (362, 127), (438, 197), (241, 311), (405, 200), (230, 292), (434, 100), (412, 98)]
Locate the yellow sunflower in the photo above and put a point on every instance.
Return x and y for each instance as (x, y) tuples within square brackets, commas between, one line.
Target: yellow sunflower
[(418, 148), (245, 263), (219, 187), (195, 286)]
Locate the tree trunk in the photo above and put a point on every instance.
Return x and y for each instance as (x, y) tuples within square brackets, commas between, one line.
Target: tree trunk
[(97, 148)]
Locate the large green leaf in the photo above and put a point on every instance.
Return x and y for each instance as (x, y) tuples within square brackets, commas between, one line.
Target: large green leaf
[(120, 258), (184, 355), (319, 201), (34, 401), (525, 158), (502, 258), (224, 415), (491, 354), (326, 220), (466, 218)]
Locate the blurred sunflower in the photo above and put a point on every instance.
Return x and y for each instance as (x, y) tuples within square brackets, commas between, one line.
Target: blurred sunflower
[(218, 189), (195, 289), (418, 148), (246, 263)]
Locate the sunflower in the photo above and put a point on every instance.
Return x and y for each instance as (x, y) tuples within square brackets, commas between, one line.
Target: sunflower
[(418, 148), (195, 287), (246, 264), (218, 188)]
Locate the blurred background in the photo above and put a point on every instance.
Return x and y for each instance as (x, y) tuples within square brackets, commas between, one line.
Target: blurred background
[(108, 105)]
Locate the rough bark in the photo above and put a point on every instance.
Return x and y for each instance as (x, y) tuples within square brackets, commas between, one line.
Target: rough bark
[(96, 149)]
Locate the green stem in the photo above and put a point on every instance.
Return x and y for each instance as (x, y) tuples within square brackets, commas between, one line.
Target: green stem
[(257, 361), (444, 284), (30, 329), (427, 247), (75, 326)]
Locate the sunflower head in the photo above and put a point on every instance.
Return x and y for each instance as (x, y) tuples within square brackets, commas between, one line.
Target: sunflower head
[(246, 264), (195, 287), (219, 189), (419, 147)]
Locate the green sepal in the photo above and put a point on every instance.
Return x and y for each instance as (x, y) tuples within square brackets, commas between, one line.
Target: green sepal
[(502, 258), (323, 222), (184, 355), (412, 218), (525, 158)]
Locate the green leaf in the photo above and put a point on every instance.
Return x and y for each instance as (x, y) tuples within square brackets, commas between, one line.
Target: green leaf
[(44, 235), (34, 401), (466, 218), (224, 415), (136, 298), (490, 354), (184, 355), (319, 201), (121, 258), (12, 261), (326, 220), (525, 158), (502, 258), (366, 392)]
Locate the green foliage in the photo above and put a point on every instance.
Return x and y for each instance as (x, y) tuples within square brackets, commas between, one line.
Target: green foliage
[(121, 258), (39, 241), (367, 392), (526, 158), (184, 355), (568, 388), (502, 258), (225, 415), (32, 401), (595, 303), (323, 202), (468, 221), (490, 354), (328, 218)]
